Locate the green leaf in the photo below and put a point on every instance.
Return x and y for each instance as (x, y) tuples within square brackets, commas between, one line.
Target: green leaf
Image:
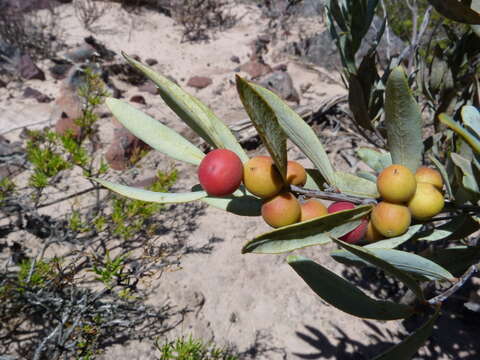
[(409, 347), (471, 119), (265, 120), (444, 174), (239, 203), (367, 176), (460, 227), (468, 180), (395, 241), (308, 233), (350, 184), (456, 11), (315, 180), (375, 159), (152, 196), (414, 264), (344, 296), (192, 111), (154, 133), (460, 130), (372, 258), (456, 259), (290, 123), (403, 121)]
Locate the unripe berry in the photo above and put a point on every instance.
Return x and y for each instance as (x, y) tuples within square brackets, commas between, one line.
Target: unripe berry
[(220, 172), (312, 209), (372, 235), (261, 177), (427, 202), (296, 174), (396, 184), (281, 210), (356, 234), (391, 219), (428, 175)]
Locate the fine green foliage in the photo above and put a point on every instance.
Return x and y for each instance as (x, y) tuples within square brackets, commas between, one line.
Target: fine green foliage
[(192, 349)]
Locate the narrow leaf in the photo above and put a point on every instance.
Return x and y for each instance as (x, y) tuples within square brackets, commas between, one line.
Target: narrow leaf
[(409, 347), (456, 259), (468, 181), (239, 203), (460, 130), (265, 120), (296, 129), (371, 258), (460, 227), (403, 121), (375, 159), (367, 175), (471, 119), (152, 196), (313, 232), (444, 174), (154, 133), (350, 184), (192, 111), (456, 11), (395, 241), (405, 261), (344, 296)]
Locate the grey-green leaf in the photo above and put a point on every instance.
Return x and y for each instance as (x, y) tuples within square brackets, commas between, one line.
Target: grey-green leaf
[(377, 160), (344, 296), (444, 174), (414, 264), (395, 241), (152, 196), (456, 259), (154, 133), (455, 10), (265, 120), (372, 258), (192, 111), (468, 181), (459, 227), (403, 121), (409, 347), (460, 130), (350, 184), (471, 119), (238, 204), (313, 232)]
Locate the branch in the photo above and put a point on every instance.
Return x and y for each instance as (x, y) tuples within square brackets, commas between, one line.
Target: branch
[(450, 291), (326, 195)]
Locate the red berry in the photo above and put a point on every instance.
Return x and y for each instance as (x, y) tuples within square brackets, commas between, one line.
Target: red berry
[(356, 234), (220, 172)]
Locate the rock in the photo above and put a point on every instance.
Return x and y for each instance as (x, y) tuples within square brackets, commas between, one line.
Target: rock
[(81, 54), (33, 93), (28, 70), (30, 5), (151, 62), (280, 67), (66, 125), (12, 158), (199, 82), (281, 83), (138, 99), (59, 71), (256, 68), (102, 51), (149, 87), (3, 83), (235, 59), (125, 148)]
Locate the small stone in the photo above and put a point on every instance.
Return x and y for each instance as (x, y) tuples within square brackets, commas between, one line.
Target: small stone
[(151, 62), (149, 87), (199, 82), (60, 71), (66, 125), (235, 59), (255, 69), (33, 93), (138, 99), (29, 70), (280, 67)]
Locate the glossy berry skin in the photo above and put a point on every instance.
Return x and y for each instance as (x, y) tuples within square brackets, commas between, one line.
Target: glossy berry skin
[(372, 235), (312, 209), (220, 173), (281, 210), (427, 202), (391, 219), (428, 175), (396, 184), (296, 174), (261, 178), (356, 234)]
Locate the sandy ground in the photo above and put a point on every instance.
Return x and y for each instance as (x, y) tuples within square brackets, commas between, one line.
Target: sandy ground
[(238, 296)]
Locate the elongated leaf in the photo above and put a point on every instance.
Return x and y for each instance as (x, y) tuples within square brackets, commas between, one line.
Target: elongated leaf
[(265, 120), (461, 226), (471, 119), (455, 10), (192, 111), (308, 233), (239, 203), (367, 176), (154, 133), (296, 129), (403, 121), (395, 241), (456, 259), (344, 296), (444, 174), (414, 264), (315, 180), (409, 347), (460, 130), (469, 181), (152, 196), (350, 184), (375, 159), (371, 258)]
